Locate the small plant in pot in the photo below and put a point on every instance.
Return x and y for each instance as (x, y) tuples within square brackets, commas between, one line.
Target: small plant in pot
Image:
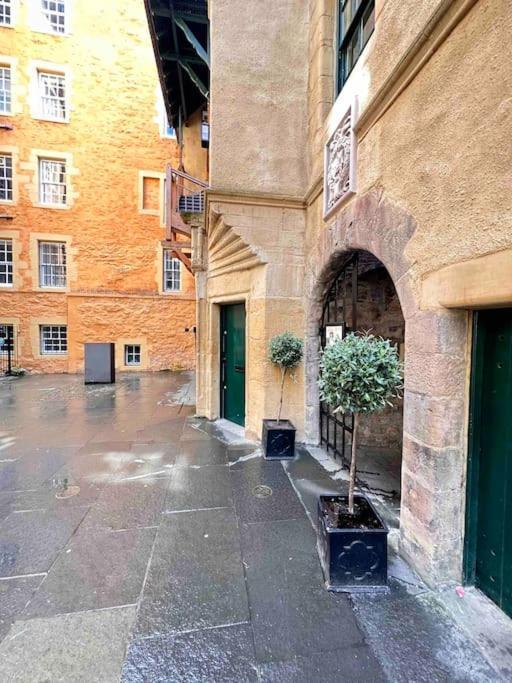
[(358, 374), (278, 437)]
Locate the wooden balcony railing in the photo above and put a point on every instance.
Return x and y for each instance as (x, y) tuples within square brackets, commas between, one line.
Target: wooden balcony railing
[(184, 202)]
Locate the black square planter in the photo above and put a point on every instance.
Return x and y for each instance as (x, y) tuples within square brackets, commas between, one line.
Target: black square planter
[(278, 439), (353, 559)]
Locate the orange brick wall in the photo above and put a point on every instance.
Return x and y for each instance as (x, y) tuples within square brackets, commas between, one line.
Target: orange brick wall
[(113, 248)]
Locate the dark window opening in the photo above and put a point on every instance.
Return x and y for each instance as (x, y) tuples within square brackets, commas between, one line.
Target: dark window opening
[(356, 25)]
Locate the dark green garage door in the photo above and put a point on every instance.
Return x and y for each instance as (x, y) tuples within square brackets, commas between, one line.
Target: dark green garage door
[(489, 540), (233, 363)]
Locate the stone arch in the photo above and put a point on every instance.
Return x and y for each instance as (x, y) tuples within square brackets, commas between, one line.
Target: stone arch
[(435, 396)]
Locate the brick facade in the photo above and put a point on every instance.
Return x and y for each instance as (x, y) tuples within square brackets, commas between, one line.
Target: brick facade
[(111, 137)]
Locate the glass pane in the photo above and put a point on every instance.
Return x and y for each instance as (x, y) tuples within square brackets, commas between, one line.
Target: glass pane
[(368, 22)]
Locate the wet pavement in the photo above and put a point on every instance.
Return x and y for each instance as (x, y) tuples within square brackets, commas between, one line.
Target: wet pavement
[(137, 543)]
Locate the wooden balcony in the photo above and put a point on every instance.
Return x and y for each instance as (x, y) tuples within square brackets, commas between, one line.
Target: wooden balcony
[(184, 206)]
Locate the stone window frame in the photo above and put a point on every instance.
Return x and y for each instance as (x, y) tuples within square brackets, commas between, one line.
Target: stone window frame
[(40, 24), (13, 152), (71, 263), (12, 4), (35, 70), (32, 167), (61, 339), (155, 175), (144, 353), (345, 35), (17, 89), (17, 339)]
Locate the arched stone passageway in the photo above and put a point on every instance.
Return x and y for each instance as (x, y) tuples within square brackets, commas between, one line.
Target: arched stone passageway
[(436, 356), (361, 297)]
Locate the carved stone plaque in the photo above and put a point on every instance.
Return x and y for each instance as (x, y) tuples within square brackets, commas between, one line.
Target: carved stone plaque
[(339, 176)]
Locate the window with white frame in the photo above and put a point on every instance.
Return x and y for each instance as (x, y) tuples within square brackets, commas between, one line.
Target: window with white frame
[(5, 178), (52, 95), (55, 12), (6, 339), (132, 354), (53, 339), (5, 263), (52, 264), (5, 90), (172, 272), (52, 182), (6, 13)]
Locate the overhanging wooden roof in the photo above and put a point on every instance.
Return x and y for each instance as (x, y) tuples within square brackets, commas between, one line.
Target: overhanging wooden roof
[(179, 32)]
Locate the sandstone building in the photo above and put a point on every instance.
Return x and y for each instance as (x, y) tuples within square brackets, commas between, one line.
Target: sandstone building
[(360, 179), (84, 142)]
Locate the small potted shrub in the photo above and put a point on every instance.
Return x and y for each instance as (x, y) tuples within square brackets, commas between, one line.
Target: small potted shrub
[(278, 438), (358, 374)]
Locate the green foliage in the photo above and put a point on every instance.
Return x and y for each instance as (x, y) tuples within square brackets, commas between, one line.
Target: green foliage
[(360, 374), (285, 350)]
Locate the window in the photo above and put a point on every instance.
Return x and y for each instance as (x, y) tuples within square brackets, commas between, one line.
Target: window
[(6, 339), (356, 24), (5, 263), (54, 11), (53, 339), (167, 130), (5, 90), (172, 272), (5, 13), (132, 354), (52, 95), (52, 264), (5, 177), (52, 182)]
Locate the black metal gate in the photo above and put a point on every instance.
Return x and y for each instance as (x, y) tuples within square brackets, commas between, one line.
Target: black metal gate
[(339, 317), (7, 349)]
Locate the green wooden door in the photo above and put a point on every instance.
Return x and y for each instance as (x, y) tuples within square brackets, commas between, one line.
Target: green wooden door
[(489, 546), (233, 363)]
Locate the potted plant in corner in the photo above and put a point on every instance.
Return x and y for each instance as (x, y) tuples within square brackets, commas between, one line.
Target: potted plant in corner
[(358, 374), (278, 437)]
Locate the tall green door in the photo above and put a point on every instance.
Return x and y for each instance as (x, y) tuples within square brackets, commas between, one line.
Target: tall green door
[(233, 363), (489, 544)]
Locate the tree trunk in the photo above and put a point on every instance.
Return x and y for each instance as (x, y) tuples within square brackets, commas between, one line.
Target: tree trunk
[(283, 375), (352, 482)]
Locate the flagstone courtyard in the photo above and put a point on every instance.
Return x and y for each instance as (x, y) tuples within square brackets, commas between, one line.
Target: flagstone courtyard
[(139, 543)]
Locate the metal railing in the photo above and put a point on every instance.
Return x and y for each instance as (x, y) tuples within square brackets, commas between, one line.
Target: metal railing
[(184, 195), (8, 346)]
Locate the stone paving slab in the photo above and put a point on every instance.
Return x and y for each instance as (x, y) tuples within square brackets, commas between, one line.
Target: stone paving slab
[(199, 488), (30, 541), (217, 655), (70, 648), (15, 593), (291, 612), (98, 569), (195, 578)]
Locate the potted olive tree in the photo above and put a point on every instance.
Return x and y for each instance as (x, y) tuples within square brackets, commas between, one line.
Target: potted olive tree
[(278, 438), (358, 374)]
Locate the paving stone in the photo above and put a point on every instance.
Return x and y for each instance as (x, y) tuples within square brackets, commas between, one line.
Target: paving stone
[(202, 453), (292, 613), (14, 595), (219, 655), (70, 648), (195, 577), (282, 504), (161, 432), (32, 469), (98, 466), (193, 488), (30, 541), (415, 640), (355, 664), (128, 505), (98, 569)]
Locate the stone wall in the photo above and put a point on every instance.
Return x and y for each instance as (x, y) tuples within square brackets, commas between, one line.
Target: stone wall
[(113, 135)]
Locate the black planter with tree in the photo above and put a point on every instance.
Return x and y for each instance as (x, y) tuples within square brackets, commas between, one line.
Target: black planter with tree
[(358, 374), (278, 436)]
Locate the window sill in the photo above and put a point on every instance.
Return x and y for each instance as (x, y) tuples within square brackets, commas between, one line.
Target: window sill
[(56, 290), (58, 207), (49, 119), (4, 286), (7, 202)]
